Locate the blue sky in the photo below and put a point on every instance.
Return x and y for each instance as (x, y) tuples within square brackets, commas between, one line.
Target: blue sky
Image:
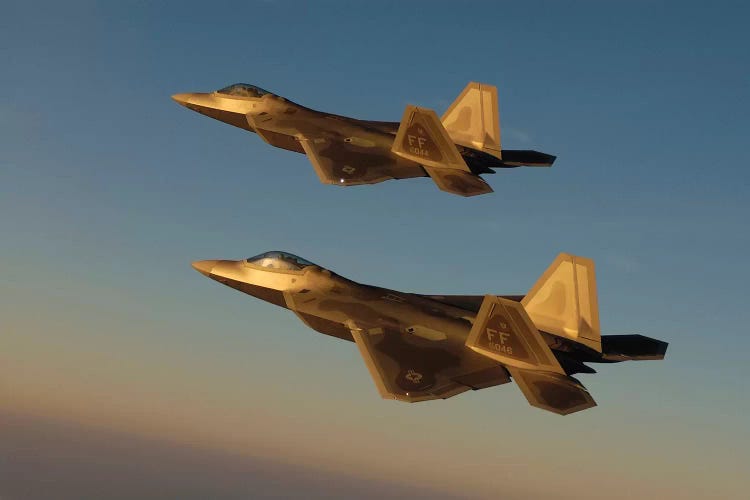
[(108, 190)]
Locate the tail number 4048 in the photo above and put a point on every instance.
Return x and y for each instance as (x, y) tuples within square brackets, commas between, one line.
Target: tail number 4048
[(496, 340)]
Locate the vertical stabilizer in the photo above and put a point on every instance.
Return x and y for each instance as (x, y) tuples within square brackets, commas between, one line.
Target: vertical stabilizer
[(423, 139), (473, 119), (503, 331), (563, 301)]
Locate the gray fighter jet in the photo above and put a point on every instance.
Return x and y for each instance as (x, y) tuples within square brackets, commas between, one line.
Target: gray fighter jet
[(422, 347), (452, 150)]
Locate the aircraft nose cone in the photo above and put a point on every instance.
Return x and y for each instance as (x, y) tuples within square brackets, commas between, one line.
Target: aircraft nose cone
[(181, 99), (204, 266)]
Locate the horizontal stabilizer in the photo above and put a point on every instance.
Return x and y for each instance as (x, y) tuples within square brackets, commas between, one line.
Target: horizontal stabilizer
[(421, 138), (458, 181), (553, 392), (632, 347)]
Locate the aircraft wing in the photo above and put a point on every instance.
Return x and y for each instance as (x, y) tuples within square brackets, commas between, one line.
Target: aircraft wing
[(410, 368), (349, 163)]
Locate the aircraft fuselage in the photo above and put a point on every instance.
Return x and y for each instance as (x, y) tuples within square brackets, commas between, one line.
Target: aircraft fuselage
[(319, 293), (276, 115), (422, 347), (281, 123)]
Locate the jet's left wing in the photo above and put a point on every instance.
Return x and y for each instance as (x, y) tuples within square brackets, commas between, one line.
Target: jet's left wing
[(410, 368), (349, 163)]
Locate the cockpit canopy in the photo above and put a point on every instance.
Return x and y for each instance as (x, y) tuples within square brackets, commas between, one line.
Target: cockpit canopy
[(243, 90), (280, 260)]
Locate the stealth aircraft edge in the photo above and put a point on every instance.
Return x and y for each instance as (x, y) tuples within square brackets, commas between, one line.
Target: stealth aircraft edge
[(452, 150), (423, 347)]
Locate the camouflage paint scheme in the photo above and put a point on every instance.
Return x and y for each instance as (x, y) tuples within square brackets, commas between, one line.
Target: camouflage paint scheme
[(423, 347), (346, 151)]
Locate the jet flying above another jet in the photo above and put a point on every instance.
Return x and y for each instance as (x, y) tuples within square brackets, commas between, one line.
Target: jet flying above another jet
[(423, 347), (453, 150)]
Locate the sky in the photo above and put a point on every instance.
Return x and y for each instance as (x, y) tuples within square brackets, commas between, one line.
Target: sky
[(124, 373)]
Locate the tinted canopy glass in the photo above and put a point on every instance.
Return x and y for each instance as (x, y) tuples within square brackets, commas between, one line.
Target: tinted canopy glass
[(280, 260), (243, 90)]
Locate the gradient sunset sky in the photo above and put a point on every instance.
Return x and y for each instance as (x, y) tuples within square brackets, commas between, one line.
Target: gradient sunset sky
[(126, 374)]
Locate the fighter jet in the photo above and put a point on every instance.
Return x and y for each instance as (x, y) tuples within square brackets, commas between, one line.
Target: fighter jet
[(453, 150), (424, 347)]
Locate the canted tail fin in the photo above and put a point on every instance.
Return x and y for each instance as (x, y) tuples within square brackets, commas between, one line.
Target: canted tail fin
[(563, 301), (423, 139), (473, 119), (503, 331)]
